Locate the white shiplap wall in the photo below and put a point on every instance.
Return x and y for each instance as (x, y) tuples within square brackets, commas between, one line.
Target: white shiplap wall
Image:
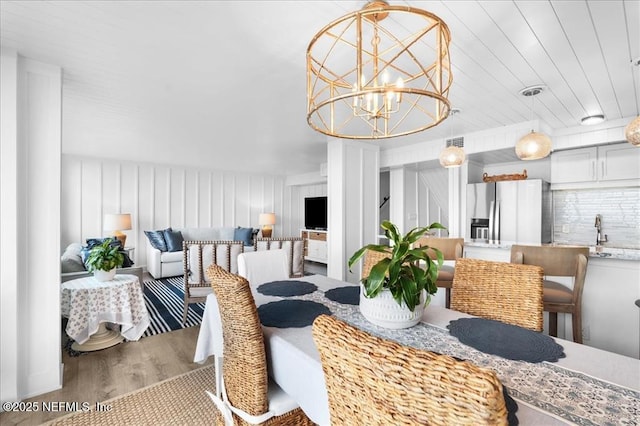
[(158, 196)]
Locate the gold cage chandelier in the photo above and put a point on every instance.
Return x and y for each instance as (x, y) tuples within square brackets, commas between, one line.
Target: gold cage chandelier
[(379, 72)]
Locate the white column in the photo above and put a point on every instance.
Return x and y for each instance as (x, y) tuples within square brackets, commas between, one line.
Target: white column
[(353, 200), (397, 194), (30, 226)]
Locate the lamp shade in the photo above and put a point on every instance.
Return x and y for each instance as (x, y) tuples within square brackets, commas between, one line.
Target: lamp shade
[(117, 222), (267, 219), (452, 156), (632, 132), (533, 146)]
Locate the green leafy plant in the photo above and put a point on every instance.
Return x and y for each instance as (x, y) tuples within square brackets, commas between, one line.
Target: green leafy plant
[(407, 271), (104, 257)]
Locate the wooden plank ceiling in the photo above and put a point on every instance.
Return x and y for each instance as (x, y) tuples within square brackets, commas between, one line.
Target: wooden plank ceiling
[(221, 84)]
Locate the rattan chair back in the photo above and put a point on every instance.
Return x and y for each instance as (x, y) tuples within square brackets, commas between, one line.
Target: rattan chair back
[(370, 259), (499, 291), (244, 362), (372, 381)]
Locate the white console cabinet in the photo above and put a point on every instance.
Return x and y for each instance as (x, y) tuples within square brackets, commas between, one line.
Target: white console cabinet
[(315, 245)]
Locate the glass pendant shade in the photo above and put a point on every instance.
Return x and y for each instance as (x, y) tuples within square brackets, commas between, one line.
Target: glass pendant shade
[(452, 156), (533, 146), (632, 132)]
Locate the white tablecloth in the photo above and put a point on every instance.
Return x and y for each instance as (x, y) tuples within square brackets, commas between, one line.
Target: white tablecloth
[(293, 361), (88, 302)]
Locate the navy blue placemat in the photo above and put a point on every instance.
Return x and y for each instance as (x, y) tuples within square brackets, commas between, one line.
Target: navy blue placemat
[(349, 295), (505, 340), (290, 313), (286, 288)]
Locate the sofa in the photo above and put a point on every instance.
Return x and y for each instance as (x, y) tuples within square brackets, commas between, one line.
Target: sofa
[(72, 266), (164, 247)]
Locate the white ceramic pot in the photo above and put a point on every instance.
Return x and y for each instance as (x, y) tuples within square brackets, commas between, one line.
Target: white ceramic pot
[(104, 275), (384, 311)]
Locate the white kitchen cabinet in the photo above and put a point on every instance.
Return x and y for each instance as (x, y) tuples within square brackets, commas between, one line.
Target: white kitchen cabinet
[(619, 161), (601, 166), (575, 165), (610, 318)]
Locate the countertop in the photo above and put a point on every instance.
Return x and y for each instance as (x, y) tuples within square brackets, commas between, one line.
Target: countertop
[(595, 252)]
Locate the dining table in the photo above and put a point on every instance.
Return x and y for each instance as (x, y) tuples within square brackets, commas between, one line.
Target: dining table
[(585, 385)]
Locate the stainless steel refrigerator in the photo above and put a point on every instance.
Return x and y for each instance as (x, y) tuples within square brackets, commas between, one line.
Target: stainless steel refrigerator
[(516, 211)]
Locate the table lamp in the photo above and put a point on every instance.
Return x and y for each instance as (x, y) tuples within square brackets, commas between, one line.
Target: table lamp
[(118, 223), (267, 220)]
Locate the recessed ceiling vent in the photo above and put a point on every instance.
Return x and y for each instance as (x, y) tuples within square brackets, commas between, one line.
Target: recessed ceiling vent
[(459, 142)]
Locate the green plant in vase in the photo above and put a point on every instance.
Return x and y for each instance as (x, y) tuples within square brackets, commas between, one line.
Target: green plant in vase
[(407, 271), (105, 257)]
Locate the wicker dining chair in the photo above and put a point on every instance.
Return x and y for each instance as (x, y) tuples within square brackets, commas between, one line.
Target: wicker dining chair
[(370, 259), (372, 381), (247, 393), (500, 291), (567, 261), (451, 249)]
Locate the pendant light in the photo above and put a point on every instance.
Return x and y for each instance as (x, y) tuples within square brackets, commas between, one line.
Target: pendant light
[(534, 145), (632, 132), (453, 155)]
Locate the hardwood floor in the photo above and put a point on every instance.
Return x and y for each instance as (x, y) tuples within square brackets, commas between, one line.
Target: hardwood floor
[(101, 375)]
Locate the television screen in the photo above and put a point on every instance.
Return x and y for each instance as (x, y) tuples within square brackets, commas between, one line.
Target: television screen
[(315, 213)]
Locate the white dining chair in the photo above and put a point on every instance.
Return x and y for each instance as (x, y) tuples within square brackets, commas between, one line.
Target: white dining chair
[(259, 267)]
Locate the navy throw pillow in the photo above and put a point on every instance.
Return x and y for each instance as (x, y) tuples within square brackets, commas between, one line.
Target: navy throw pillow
[(173, 239), (156, 239), (244, 235)]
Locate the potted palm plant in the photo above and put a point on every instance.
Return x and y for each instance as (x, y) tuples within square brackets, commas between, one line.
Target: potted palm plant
[(401, 284), (103, 260)]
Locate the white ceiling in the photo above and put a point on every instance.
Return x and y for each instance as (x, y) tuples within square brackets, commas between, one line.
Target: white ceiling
[(221, 84)]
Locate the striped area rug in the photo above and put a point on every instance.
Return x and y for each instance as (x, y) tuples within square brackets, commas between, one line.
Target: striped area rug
[(165, 303)]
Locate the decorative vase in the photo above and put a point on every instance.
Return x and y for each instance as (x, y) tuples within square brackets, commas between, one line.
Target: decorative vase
[(102, 276), (383, 310)]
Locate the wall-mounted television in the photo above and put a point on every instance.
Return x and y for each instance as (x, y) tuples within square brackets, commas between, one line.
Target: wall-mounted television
[(315, 213)]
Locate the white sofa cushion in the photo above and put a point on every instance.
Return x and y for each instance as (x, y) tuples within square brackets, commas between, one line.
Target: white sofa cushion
[(171, 256), (207, 234)]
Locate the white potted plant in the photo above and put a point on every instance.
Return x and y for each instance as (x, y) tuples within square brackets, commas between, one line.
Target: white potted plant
[(400, 285), (103, 260)]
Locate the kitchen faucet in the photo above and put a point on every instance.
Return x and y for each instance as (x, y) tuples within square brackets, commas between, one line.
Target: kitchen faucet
[(598, 225)]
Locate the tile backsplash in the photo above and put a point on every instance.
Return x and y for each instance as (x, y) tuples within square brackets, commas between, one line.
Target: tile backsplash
[(574, 215)]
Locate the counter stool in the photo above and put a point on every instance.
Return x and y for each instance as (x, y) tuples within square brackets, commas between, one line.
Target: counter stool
[(451, 249), (558, 261)]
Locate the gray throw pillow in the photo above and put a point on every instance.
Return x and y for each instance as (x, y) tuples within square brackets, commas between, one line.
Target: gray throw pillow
[(156, 239), (244, 235), (72, 264), (173, 239)]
